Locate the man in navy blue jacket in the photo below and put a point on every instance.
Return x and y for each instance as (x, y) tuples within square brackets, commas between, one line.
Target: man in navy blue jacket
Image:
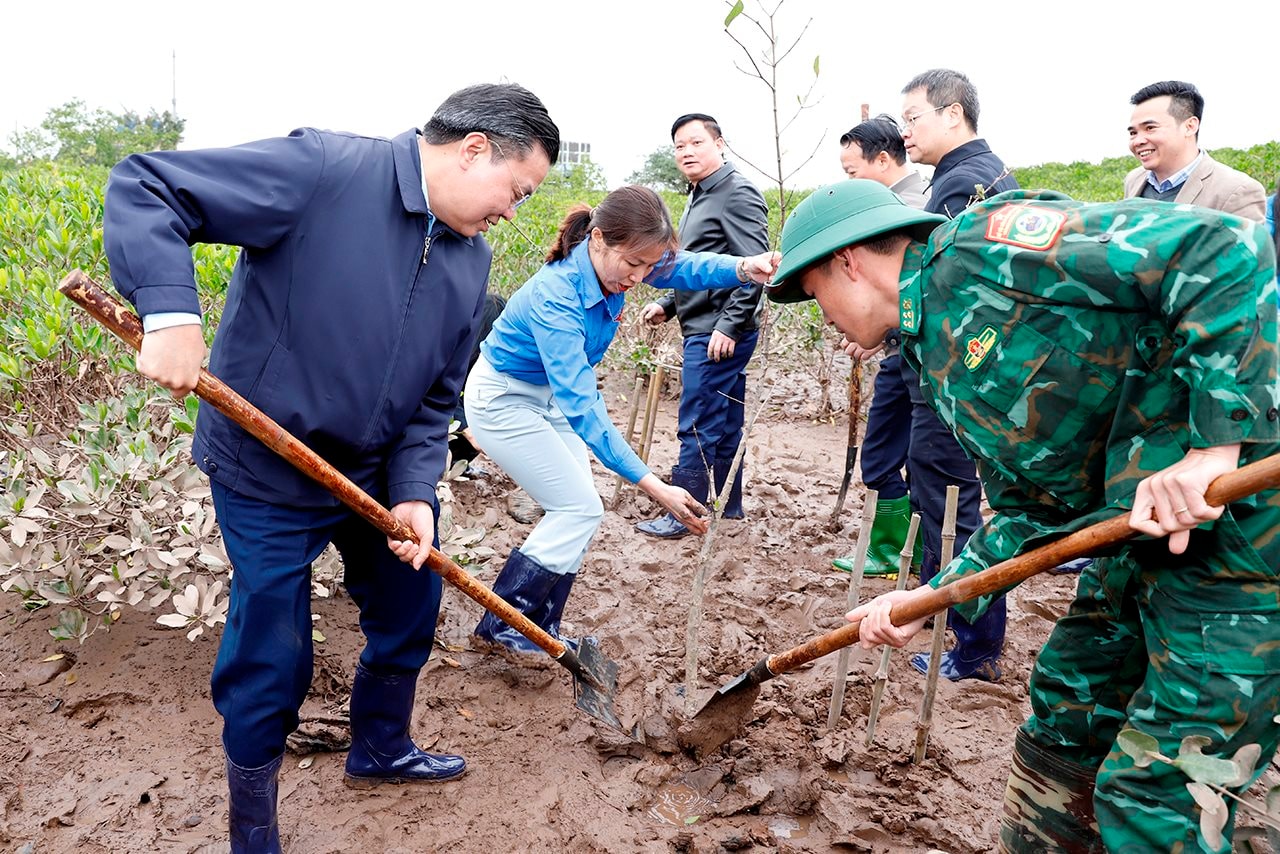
[(350, 319), (940, 129)]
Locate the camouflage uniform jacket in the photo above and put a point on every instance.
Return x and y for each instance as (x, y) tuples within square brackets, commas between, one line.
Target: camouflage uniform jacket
[(1076, 349)]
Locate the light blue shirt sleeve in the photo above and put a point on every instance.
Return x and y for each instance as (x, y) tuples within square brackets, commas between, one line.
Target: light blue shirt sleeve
[(699, 271), (559, 330), (164, 319)]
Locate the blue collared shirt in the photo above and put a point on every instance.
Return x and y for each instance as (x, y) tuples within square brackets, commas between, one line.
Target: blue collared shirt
[(558, 325), (1177, 179)]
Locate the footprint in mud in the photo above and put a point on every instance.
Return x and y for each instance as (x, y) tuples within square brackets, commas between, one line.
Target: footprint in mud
[(986, 697)]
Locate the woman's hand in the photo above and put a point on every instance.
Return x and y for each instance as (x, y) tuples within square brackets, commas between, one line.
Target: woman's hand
[(677, 502), (876, 627), (759, 268)]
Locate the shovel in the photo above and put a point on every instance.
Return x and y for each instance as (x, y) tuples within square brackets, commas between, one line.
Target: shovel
[(728, 706), (595, 677)]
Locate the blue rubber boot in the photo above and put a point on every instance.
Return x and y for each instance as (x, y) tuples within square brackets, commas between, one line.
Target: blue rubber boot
[(526, 585), (976, 654), (381, 750), (732, 502), (668, 527), (251, 808)]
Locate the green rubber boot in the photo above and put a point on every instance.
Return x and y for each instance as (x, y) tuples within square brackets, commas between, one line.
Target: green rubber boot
[(888, 533)]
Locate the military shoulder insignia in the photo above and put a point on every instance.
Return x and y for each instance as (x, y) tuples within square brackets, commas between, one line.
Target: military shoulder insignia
[(977, 347), (1027, 226)]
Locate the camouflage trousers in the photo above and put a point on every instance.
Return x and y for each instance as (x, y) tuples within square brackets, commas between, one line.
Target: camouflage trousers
[(1170, 645)]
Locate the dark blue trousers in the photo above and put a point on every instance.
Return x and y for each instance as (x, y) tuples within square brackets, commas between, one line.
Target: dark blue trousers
[(935, 460), (264, 662), (711, 408), (888, 435)]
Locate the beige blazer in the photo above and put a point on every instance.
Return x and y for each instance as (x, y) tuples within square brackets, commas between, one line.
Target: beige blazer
[(1212, 185)]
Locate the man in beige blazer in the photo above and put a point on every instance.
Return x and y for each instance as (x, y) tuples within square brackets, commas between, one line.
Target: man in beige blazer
[(1164, 134)]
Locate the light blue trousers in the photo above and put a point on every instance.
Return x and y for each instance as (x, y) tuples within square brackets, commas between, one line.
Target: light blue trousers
[(519, 427)]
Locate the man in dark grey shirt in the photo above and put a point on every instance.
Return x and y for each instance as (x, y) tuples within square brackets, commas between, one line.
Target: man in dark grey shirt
[(726, 213)]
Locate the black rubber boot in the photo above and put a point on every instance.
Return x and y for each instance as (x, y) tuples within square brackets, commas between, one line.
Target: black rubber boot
[(548, 616), (381, 750), (731, 503), (251, 807), (526, 585), (666, 526)]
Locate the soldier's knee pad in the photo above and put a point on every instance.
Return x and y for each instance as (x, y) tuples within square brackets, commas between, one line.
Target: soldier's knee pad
[(1048, 804)]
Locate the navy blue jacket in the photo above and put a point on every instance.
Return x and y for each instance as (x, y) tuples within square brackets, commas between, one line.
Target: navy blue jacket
[(338, 324), (952, 186)]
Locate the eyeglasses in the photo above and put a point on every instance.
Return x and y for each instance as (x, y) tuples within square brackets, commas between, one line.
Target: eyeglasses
[(909, 122), (519, 194)]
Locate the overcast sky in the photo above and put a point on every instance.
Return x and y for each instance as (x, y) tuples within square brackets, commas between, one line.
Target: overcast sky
[(1054, 80)]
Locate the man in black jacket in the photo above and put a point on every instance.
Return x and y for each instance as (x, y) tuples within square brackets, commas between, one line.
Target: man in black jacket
[(940, 129), (726, 213)]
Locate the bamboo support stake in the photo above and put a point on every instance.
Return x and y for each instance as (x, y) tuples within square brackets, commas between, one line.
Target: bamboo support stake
[(651, 410), (882, 674), (630, 436), (851, 601), (939, 628)]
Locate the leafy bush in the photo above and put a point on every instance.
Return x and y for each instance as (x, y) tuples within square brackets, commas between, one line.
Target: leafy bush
[(1104, 181)]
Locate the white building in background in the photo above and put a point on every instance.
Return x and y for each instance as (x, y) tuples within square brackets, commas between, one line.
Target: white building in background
[(573, 153)]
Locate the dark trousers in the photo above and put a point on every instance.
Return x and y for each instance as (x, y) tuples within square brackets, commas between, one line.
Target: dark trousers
[(935, 460), (264, 662), (711, 408), (888, 438)]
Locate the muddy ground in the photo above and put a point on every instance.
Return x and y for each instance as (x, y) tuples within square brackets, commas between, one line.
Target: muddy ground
[(114, 747)]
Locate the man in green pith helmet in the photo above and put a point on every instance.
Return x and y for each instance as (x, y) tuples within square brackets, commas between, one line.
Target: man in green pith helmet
[(1093, 359)]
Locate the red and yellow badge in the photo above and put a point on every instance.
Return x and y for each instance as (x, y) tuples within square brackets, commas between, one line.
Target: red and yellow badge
[(979, 346), (1027, 226)]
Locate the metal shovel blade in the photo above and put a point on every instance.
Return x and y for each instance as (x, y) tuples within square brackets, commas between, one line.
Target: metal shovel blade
[(595, 681), (744, 685)]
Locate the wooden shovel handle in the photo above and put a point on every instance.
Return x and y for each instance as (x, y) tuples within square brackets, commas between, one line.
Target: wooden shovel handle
[(855, 403), (112, 314), (1232, 486)]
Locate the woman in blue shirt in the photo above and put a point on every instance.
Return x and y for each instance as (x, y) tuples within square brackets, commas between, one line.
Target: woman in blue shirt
[(533, 405)]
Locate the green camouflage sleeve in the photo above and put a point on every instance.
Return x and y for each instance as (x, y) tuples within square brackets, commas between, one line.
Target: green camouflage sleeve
[(1217, 292), (1009, 533)]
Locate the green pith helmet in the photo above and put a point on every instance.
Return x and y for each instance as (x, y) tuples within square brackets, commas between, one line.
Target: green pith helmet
[(837, 215)]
